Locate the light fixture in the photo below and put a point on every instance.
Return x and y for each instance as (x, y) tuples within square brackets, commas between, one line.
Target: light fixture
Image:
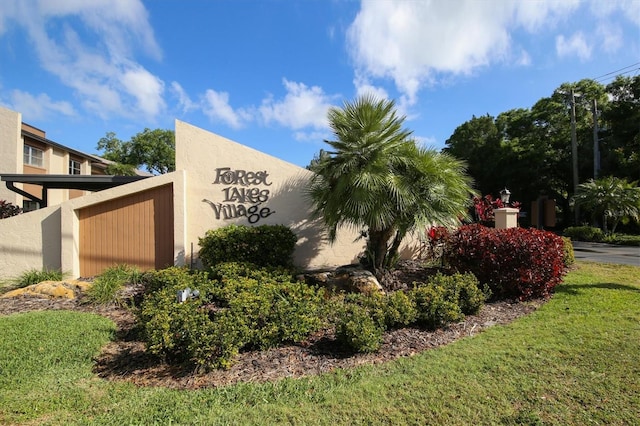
[(504, 196)]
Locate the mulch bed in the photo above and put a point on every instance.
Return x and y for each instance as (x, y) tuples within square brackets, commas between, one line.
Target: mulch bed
[(125, 359)]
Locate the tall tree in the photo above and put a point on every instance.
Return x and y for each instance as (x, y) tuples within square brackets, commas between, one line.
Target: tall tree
[(376, 180), (620, 143), (152, 149), (478, 143), (529, 150)]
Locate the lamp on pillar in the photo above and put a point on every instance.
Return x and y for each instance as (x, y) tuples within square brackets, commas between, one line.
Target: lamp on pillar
[(504, 196), (506, 217)]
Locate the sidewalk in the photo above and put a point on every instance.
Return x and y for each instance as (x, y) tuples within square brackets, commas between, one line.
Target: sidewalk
[(606, 253)]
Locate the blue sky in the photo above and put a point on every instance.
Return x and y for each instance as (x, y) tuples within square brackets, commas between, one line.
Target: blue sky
[(264, 72)]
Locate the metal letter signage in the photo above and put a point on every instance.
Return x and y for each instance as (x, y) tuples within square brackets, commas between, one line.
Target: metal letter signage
[(241, 188)]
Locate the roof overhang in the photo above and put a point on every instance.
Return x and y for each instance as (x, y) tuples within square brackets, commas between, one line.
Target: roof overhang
[(81, 182)]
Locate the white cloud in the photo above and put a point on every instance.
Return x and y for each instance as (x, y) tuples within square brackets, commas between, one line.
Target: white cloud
[(39, 106), (184, 101), (611, 38), (120, 24), (146, 88), (313, 137), (301, 107), (410, 41), (535, 15), (364, 87), (576, 45), (216, 106), (631, 9), (94, 54), (628, 8), (425, 141), (418, 43)]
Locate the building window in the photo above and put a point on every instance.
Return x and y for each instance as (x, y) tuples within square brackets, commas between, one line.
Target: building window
[(33, 156), (28, 205), (74, 167)]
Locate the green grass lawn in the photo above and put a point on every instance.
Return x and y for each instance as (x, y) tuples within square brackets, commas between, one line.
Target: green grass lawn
[(575, 361)]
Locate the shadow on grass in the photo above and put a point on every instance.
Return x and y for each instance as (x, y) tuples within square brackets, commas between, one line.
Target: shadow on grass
[(576, 288)]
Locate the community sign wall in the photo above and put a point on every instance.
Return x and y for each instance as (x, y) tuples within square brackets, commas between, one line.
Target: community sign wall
[(156, 222)]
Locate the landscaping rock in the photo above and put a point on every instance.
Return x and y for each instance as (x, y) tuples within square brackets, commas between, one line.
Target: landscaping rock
[(68, 289), (348, 278)]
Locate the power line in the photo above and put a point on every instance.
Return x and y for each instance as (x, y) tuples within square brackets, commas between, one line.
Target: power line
[(633, 72), (607, 75)]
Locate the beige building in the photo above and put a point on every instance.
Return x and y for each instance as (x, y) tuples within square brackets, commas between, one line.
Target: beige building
[(25, 149), (157, 221)]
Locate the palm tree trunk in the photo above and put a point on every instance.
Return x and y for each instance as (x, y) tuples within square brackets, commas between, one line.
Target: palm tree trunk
[(395, 246), (378, 248)]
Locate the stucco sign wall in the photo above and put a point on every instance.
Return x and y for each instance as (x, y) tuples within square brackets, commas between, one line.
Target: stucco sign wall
[(230, 183)]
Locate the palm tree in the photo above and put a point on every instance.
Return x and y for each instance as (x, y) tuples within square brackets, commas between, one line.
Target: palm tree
[(376, 180), (610, 198)]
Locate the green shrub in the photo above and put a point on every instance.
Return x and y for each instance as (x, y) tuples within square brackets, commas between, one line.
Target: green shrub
[(434, 310), (227, 316), (275, 312), (172, 330), (35, 276), (181, 332), (227, 270), (400, 311), (221, 341), (584, 233), (265, 245), (106, 286), (374, 304), (390, 311), (462, 289), (622, 239), (175, 277), (357, 330), (569, 256)]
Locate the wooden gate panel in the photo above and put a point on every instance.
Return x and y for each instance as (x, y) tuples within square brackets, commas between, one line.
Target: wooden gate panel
[(135, 229)]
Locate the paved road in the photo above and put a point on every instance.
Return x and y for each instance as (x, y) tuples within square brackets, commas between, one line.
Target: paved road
[(606, 253)]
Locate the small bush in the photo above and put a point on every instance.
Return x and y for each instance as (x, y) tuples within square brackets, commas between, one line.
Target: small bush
[(8, 210), (375, 304), (228, 270), (106, 286), (622, 239), (221, 341), (175, 278), (390, 311), (357, 331), (569, 257), (184, 332), (462, 289), (435, 309), (35, 276), (265, 245), (275, 312), (400, 311), (515, 263), (584, 233)]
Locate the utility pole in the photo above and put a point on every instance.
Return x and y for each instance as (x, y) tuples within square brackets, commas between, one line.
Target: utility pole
[(574, 151), (596, 148)]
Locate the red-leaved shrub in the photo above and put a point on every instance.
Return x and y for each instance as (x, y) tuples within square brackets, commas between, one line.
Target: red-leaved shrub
[(515, 263)]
